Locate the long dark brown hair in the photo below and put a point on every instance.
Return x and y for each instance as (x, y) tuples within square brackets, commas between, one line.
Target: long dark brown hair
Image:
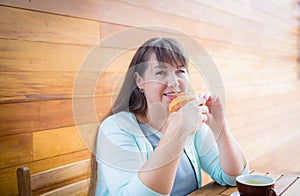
[(166, 50)]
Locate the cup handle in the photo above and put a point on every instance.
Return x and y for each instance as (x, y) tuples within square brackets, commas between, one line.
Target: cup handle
[(271, 192)]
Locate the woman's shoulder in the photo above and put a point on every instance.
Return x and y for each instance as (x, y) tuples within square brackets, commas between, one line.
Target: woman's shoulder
[(118, 117), (120, 121)]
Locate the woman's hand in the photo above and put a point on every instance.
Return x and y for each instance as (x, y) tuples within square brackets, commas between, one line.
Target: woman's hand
[(232, 159), (216, 112), (189, 118)]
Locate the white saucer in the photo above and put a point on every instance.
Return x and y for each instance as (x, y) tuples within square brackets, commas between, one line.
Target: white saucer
[(235, 194)]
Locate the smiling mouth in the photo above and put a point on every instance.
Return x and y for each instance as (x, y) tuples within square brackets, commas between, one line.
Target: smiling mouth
[(170, 95)]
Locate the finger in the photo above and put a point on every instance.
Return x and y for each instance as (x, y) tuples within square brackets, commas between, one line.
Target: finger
[(204, 109), (191, 105), (201, 101), (206, 95), (212, 99), (203, 117)]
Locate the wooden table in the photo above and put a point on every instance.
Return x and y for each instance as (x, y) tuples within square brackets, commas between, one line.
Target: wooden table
[(287, 184)]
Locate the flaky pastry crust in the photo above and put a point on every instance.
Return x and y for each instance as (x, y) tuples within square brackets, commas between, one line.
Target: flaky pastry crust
[(180, 100)]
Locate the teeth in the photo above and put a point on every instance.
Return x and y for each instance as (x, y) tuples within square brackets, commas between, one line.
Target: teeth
[(171, 94)]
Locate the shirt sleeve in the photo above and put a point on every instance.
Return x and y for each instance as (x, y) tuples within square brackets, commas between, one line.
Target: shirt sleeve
[(208, 154), (121, 158)]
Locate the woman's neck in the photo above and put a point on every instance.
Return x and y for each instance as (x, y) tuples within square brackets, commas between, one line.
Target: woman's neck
[(156, 122)]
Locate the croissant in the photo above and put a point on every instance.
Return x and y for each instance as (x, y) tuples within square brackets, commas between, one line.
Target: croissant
[(180, 100)]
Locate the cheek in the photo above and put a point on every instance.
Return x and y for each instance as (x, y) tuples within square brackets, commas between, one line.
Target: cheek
[(184, 84), (154, 89)]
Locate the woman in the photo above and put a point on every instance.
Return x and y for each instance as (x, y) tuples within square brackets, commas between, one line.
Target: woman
[(143, 149)]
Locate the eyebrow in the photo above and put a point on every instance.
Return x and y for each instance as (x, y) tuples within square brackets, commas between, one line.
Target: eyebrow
[(164, 66), (181, 66), (161, 66)]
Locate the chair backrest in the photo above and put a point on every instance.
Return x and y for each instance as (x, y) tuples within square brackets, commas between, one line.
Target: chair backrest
[(70, 179), (24, 184)]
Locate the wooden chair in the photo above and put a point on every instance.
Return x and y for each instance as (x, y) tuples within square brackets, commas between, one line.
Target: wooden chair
[(70, 179)]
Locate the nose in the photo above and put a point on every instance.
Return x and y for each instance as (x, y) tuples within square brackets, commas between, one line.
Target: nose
[(173, 80)]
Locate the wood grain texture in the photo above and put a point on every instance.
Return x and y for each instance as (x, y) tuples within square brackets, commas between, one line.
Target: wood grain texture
[(22, 24), (246, 9), (249, 114), (77, 188), (16, 118), (128, 15), (59, 174), (43, 45), (251, 19), (283, 183), (284, 161), (28, 117), (22, 56), (270, 137), (24, 183), (8, 175), (49, 72), (15, 149), (56, 142), (293, 189)]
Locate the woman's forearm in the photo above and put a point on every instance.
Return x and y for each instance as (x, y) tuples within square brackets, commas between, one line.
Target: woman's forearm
[(232, 158), (159, 172)]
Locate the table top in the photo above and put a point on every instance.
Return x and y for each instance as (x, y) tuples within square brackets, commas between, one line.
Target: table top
[(287, 184)]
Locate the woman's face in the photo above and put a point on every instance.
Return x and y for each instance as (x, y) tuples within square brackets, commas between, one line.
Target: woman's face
[(161, 82)]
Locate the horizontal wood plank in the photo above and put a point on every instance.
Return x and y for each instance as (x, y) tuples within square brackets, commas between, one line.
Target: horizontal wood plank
[(19, 55), (283, 183), (246, 10), (47, 27), (210, 189), (90, 13), (15, 118), (263, 111), (294, 189), (24, 56), (15, 149), (102, 10), (197, 11), (274, 175), (254, 91), (286, 157), (59, 174), (28, 117), (30, 76), (229, 190), (269, 139), (225, 50), (56, 142), (33, 86), (40, 87), (78, 188), (258, 104)]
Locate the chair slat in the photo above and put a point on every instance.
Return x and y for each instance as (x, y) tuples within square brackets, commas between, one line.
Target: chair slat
[(24, 183), (60, 174), (78, 188)]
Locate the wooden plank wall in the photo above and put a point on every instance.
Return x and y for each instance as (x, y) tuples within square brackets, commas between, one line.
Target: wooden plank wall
[(43, 43)]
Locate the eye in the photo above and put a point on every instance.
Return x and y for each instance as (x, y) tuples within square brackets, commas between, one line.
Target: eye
[(181, 71), (160, 73)]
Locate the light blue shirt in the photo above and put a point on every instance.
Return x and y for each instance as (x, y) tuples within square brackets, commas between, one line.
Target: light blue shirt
[(122, 149), (185, 179)]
